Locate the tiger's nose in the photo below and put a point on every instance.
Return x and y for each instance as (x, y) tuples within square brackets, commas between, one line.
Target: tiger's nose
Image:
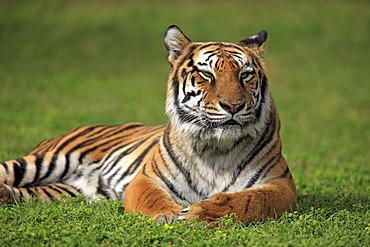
[(232, 106)]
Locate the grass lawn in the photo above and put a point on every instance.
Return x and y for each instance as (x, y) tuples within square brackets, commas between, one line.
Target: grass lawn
[(69, 63)]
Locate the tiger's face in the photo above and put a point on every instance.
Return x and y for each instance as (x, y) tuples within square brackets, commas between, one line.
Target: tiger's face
[(216, 89)]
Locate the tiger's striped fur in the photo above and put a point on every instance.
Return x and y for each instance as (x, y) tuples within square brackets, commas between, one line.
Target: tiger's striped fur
[(219, 154)]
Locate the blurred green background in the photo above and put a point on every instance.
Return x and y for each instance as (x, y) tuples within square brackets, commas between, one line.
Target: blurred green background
[(68, 63)]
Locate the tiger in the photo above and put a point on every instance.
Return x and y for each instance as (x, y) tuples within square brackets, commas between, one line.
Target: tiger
[(219, 154)]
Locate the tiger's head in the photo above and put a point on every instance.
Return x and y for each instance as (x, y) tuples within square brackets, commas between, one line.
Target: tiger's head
[(216, 89)]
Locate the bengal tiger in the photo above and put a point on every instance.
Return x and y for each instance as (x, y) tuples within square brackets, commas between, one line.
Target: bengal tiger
[(219, 154)]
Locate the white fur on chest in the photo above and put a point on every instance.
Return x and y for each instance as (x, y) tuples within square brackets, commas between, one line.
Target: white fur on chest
[(209, 172)]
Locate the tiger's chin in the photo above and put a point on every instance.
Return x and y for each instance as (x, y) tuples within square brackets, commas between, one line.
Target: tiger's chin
[(220, 133), (233, 132)]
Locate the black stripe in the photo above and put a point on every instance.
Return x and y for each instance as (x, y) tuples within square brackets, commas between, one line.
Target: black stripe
[(51, 167), (236, 53), (221, 45), (143, 171), (165, 164), (210, 56), (191, 49), (185, 117), (108, 165), (149, 206), (189, 95), (102, 188), (184, 87), (5, 167), (117, 159), (272, 166), (42, 145), (69, 192), (254, 62), (56, 142), (55, 188), (73, 138), (140, 158), (21, 196), (262, 142), (184, 74), (191, 61), (168, 146), (145, 132), (30, 192), (217, 64), (168, 183), (64, 190), (66, 166), (112, 152), (264, 85), (96, 146), (175, 89), (106, 135), (136, 163), (285, 173), (211, 52), (220, 151), (20, 168), (257, 175), (213, 113), (38, 164), (192, 80), (93, 137), (246, 207), (47, 192), (99, 129), (133, 166)]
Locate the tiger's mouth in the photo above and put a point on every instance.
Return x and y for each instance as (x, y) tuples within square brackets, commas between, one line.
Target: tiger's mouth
[(231, 124)]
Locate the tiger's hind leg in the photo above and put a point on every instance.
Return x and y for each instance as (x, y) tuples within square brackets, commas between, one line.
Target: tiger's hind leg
[(56, 191)]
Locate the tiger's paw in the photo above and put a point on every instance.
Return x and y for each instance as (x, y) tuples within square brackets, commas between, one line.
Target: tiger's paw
[(166, 217), (210, 209)]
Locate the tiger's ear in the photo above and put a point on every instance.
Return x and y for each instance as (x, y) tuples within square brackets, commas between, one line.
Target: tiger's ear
[(256, 42), (175, 42)]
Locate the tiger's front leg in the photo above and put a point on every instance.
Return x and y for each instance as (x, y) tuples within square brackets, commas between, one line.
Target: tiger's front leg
[(143, 195), (257, 204)]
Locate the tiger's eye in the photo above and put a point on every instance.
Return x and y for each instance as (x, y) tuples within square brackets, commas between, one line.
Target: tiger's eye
[(244, 75), (206, 75)]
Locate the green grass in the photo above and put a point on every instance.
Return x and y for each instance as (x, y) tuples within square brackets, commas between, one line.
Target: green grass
[(65, 64)]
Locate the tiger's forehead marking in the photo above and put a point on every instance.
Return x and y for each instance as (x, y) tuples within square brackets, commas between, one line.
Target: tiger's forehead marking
[(216, 55)]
